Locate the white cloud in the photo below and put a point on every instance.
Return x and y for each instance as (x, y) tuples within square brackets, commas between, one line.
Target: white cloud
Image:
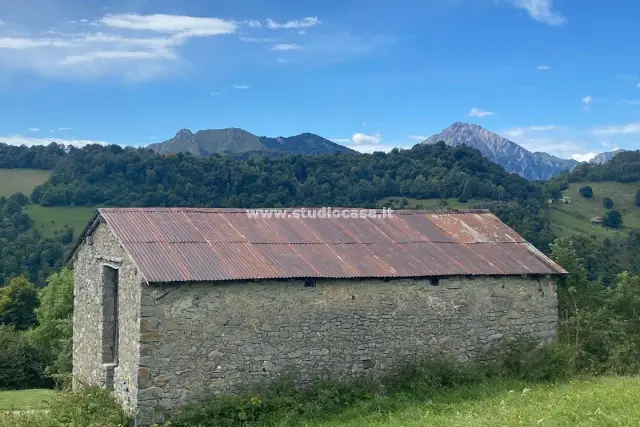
[(361, 138), (583, 157), (543, 67), (559, 147), (24, 140), (305, 23), (63, 128), (214, 93), (586, 101), (115, 55), (129, 45), (542, 11), (286, 46), (364, 143), (181, 26), (419, 138), (477, 112), (242, 87), (517, 132), (33, 129), (631, 128), (249, 39), (283, 60), (253, 23)]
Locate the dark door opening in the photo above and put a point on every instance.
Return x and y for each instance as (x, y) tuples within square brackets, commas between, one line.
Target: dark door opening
[(110, 327)]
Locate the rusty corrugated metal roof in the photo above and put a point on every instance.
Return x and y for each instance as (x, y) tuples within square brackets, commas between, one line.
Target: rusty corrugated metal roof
[(192, 244)]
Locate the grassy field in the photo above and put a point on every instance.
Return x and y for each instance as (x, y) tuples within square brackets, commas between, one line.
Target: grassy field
[(574, 218), (24, 400), (611, 401), (48, 219), (21, 180), (396, 203), (605, 401)]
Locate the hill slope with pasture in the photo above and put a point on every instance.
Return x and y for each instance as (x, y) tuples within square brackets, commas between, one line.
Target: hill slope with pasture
[(21, 180), (575, 217)]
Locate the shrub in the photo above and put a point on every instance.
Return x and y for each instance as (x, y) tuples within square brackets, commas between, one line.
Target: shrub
[(529, 361), (54, 333), (607, 203), (283, 403), (586, 191), (21, 364), (637, 198), (93, 407)]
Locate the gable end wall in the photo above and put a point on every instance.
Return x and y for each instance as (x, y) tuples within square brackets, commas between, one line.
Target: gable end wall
[(89, 315)]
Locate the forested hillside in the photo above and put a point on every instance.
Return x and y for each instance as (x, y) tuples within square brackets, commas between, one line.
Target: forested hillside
[(113, 176)]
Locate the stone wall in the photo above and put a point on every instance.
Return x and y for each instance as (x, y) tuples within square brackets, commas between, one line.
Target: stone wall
[(204, 337), (93, 320)]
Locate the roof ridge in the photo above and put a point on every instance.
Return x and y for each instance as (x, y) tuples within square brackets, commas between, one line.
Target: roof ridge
[(289, 209), (395, 242)]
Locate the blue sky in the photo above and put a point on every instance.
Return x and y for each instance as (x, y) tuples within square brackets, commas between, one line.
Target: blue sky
[(558, 76)]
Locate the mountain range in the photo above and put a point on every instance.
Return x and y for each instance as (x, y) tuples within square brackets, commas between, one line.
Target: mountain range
[(236, 141), (513, 157)]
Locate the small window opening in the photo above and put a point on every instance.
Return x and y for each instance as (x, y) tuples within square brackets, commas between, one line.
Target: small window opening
[(110, 327), (309, 283), (434, 281), (368, 364)]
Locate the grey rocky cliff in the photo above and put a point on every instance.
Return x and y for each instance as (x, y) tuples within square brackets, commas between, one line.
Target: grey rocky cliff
[(511, 156)]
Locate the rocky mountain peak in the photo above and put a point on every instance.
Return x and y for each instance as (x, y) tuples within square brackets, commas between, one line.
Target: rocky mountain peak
[(506, 153), (184, 134)]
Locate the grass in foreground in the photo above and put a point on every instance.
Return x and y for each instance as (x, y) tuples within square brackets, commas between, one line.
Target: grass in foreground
[(24, 400), (21, 180), (48, 219), (609, 401), (605, 401)]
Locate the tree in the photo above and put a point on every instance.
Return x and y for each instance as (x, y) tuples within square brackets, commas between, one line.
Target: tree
[(54, 333), (638, 198), (18, 304), (586, 191), (612, 219), (607, 203)]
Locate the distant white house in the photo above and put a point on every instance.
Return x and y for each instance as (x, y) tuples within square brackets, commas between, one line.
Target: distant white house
[(566, 200)]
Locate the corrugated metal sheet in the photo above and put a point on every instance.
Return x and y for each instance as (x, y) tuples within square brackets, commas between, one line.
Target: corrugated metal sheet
[(180, 244)]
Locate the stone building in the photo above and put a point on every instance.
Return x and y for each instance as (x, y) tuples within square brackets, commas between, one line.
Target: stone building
[(174, 303)]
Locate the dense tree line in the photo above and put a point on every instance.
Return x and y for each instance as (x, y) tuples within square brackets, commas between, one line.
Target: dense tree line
[(119, 177), (23, 252), (34, 157)]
